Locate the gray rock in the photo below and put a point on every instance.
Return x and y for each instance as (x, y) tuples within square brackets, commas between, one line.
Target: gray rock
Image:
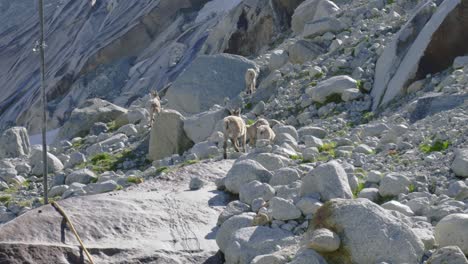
[(374, 130), (284, 176), (98, 128), (452, 230), (434, 103), (323, 240), (249, 242), (269, 259), (393, 184), (225, 234), (129, 130), (7, 171), (303, 51), (57, 190), (198, 87), (53, 163), (270, 161), (356, 221), (371, 194), (205, 150), (101, 187), (75, 159), (200, 126), (448, 254), (168, 136), (280, 129), (460, 62), (277, 59), (243, 172), (329, 180), (460, 163), (312, 131), (334, 85), (308, 205), (196, 183), (14, 143), (308, 256), (399, 207), (83, 176), (90, 112), (255, 189), (233, 208), (311, 10), (311, 141), (321, 26), (374, 176), (282, 209)]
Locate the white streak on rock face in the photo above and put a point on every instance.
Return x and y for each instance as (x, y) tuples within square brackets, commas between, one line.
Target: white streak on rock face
[(217, 7)]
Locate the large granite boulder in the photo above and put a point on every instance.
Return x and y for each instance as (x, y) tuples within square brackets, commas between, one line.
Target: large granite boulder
[(368, 233), (311, 10), (14, 143), (207, 81), (337, 85), (92, 111), (168, 136), (200, 126), (452, 230)]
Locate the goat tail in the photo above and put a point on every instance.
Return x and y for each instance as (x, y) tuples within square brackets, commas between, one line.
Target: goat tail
[(226, 125)]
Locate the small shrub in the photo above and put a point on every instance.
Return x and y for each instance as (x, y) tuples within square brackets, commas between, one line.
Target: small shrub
[(135, 180), (189, 162), (318, 75), (5, 199), (248, 106), (437, 145), (78, 143), (250, 122), (411, 188), (295, 157), (333, 98), (162, 169), (367, 117), (384, 199), (358, 189), (313, 83), (112, 126)]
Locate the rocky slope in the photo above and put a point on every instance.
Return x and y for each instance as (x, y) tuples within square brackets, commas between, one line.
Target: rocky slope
[(369, 107)]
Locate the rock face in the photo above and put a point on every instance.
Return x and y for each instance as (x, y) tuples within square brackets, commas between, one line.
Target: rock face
[(150, 226), (168, 135), (452, 230), (303, 51), (14, 143), (114, 50), (207, 81), (435, 103), (84, 117), (329, 180), (356, 221), (428, 43)]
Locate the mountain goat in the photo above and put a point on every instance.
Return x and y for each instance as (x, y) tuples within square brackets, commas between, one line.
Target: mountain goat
[(250, 80), (234, 129), (252, 130), (154, 106), (265, 132)]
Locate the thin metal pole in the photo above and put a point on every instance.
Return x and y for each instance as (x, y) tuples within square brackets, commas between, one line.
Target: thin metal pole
[(44, 102)]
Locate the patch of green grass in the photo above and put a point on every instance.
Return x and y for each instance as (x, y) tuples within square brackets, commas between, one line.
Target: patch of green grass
[(327, 147), (189, 162), (360, 170), (108, 162), (313, 83), (162, 169), (437, 145), (248, 106), (358, 189), (250, 122), (302, 74), (11, 190), (78, 143), (333, 98), (360, 86), (135, 180), (112, 126), (26, 203), (411, 188), (318, 75), (296, 157), (367, 116), (390, 2), (5, 199), (119, 187)]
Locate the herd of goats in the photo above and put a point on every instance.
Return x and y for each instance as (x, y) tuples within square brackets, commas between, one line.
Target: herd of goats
[(235, 128)]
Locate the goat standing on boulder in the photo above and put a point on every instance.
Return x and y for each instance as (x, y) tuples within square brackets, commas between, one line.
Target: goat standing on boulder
[(234, 129), (250, 81), (154, 106)]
